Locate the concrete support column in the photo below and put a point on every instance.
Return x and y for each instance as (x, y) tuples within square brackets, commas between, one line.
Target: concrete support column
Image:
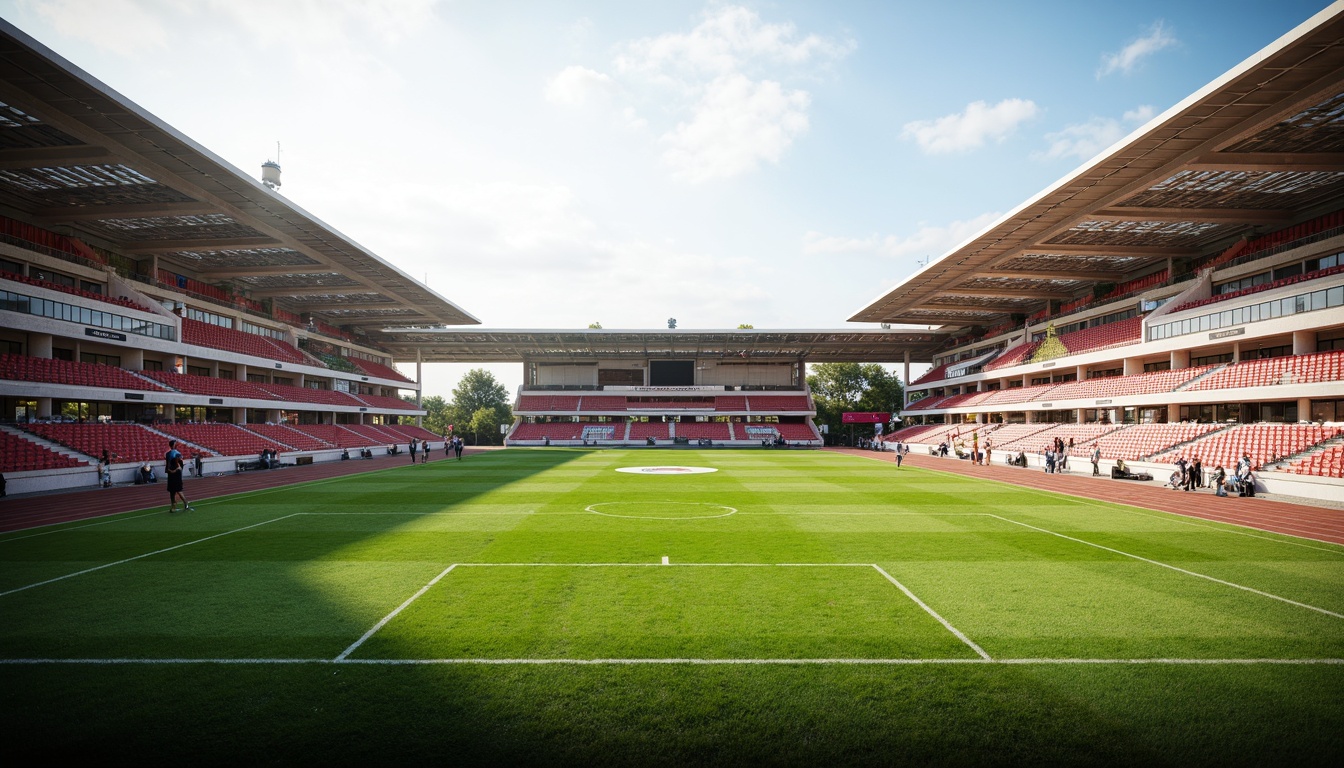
[(39, 345), (240, 372), (1236, 352), (905, 381), (214, 368), (1173, 412), (273, 415), (419, 387), (1079, 417), (133, 359), (1304, 342), (1133, 365), (1081, 372), (1303, 408), (239, 415), (44, 407), (1180, 358)]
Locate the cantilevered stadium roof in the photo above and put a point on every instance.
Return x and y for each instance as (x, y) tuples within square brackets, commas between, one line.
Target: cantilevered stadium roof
[(77, 157), (1260, 148), (457, 345)]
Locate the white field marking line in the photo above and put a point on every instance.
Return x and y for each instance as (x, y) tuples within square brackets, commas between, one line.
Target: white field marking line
[(421, 514), (1154, 513), (205, 502), (731, 510), (73, 527), (1178, 569), (672, 565), (946, 624), (687, 661), (355, 645), (1175, 518), (147, 554)]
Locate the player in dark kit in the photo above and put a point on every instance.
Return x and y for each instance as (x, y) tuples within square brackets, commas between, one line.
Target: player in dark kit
[(173, 466)]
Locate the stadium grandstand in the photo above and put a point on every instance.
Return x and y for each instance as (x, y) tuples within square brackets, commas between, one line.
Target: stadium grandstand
[(1180, 295), (149, 290)]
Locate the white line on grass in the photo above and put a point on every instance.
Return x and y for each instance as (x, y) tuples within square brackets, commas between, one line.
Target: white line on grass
[(394, 613), (206, 502), (1178, 569), (963, 638), (673, 565), (595, 662), (140, 557), (1154, 513)]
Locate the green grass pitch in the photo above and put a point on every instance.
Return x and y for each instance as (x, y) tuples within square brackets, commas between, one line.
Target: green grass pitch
[(788, 608)]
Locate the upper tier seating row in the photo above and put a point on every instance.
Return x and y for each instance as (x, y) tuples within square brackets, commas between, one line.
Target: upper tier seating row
[(1259, 288), (378, 369), (608, 403), (1081, 435), (45, 369), (1139, 441), (208, 385), (120, 302), (386, 403), (20, 455), (217, 337), (1117, 334), (1282, 237), (1294, 369), (1264, 443)]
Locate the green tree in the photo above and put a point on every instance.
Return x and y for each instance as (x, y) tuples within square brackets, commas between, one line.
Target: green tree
[(840, 387), (745, 326), (478, 391), (437, 416), (595, 325)]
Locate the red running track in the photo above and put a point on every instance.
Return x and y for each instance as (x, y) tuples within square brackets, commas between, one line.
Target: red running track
[(47, 509), (1304, 520)]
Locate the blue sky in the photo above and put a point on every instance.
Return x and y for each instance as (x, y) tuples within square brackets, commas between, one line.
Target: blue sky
[(553, 164)]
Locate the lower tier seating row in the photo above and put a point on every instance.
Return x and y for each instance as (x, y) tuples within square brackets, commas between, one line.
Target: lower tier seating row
[(1263, 443), (52, 371), (1313, 368), (20, 455), (1327, 463)]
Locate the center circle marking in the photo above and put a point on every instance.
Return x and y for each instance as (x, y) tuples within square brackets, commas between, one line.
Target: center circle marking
[(594, 509), (666, 470)]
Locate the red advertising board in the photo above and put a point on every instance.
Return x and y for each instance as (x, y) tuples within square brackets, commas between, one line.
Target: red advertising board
[(856, 417)]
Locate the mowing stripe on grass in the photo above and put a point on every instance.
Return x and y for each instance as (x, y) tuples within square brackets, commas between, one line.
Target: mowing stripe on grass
[(394, 613), (1178, 569), (963, 638), (716, 662), (147, 554), (1110, 505)]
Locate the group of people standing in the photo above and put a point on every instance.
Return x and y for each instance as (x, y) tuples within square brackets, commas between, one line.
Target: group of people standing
[(1057, 456), (452, 446)]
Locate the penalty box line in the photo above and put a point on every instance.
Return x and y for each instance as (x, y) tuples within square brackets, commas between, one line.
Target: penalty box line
[(345, 655), (147, 554), (1178, 569)]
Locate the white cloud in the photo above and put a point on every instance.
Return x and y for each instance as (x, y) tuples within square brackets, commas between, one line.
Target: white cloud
[(970, 129), (123, 27), (927, 240), (1085, 140), (1129, 57), (727, 40), (574, 86), (736, 125), (722, 90)]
